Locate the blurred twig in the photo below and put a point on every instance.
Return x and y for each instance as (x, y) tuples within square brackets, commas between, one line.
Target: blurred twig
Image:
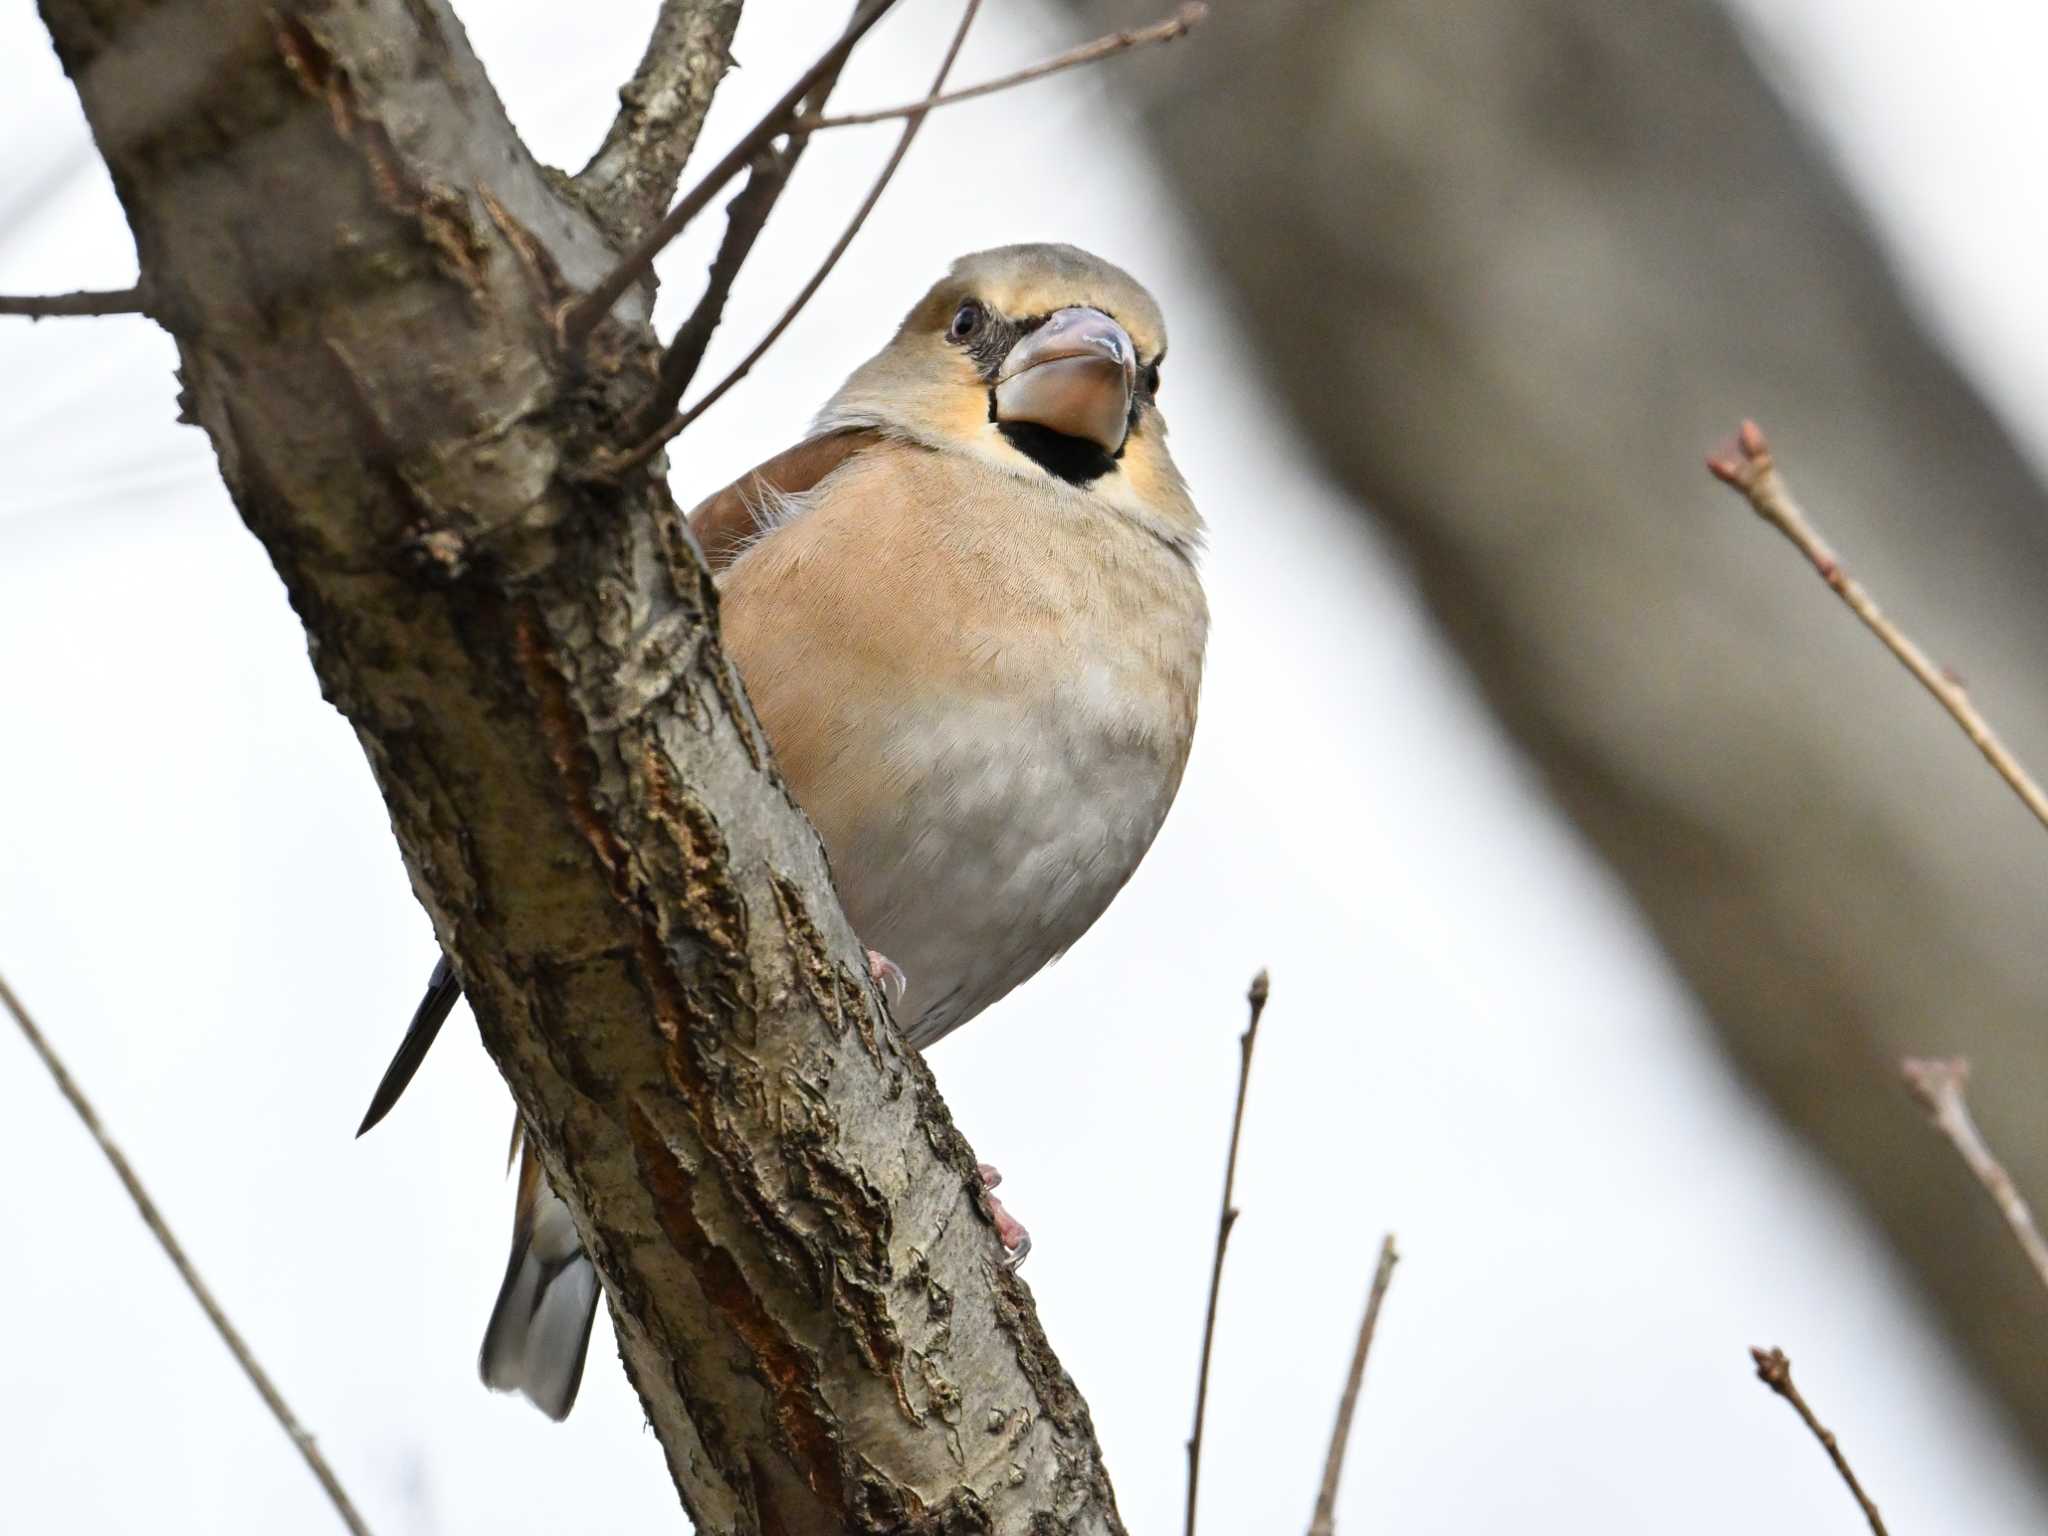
[(1750, 469), (666, 402), (1775, 1372), (153, 1219), (580, 318), (1325, 1521), (1256, 997), (1179, 24), (89, 301), (1938, 1087)]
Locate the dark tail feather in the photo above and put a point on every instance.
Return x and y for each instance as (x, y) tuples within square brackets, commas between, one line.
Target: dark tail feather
[(442, 991), (540, 1328)]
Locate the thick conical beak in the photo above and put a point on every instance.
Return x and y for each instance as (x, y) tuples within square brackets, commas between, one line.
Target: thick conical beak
[(1074, 375)]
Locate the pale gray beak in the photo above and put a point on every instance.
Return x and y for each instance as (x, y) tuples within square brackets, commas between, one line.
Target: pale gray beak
[(1074, 375)]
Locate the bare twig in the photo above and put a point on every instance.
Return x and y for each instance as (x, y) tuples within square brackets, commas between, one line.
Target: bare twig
[(580, 318), (89, 301), (1179, 24), (1256, 997), (745, 218), (660, 437), (153, 1219), (1938, 1087), (1775, 1372), (744, 222), (1324, 1522), (661, 109), (1756, 476)]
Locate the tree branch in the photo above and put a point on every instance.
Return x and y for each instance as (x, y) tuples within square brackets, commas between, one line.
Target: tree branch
[(660, 436), (580, 317), (87, 301), (1938, 1087), (1179, 24), (808, 1293), (1226, 1219), (160, 1229), (1324, 1522), (1751, 470), (746, 217), (633, 175), (1775, 1372)]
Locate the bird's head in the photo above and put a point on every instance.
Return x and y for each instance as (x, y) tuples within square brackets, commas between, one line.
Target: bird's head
[(1041, 359)]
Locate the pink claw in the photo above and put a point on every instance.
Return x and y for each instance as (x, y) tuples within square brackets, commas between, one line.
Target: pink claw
[(1009, 1230), (887, 974)]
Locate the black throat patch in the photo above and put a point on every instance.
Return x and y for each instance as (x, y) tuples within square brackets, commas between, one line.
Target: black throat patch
[(1076, 460)]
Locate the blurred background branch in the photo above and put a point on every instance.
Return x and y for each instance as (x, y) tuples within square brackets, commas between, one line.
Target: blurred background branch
[(1938, 1087), (1507, 265)]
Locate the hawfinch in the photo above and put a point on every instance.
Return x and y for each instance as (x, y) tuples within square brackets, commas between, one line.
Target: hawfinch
[(966, 610)]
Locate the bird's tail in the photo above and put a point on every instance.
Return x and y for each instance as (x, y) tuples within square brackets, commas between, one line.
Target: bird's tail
[(540, 1328)]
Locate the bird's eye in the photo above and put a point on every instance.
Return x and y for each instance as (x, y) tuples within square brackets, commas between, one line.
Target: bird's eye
[(966, 321), (1149, 380)]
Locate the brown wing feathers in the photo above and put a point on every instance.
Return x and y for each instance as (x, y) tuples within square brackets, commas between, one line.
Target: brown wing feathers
[(723, 523)]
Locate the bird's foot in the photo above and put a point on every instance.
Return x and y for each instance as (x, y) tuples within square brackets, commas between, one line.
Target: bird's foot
[(1009, 1229), (887, 975)]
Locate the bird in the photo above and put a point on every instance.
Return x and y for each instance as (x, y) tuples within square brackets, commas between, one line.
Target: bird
[(967, 610)]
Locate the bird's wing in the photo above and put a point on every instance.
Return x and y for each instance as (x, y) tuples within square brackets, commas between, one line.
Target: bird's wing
[(443, 988), (726, 522)]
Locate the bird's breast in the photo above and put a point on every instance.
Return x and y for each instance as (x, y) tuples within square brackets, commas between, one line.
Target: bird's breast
[(982, 697)]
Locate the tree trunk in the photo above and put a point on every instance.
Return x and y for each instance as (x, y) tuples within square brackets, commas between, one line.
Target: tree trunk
[(1517, 268), (362, 265)]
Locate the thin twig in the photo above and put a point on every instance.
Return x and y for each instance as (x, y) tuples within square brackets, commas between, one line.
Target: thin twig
[(580, 318), (1324, 1522), (656, 440), (1756, 476), (88, 301), (1179, 24), (1256, 997), (745, 217), (1775, 1372), (1938, 1087), (153, 1219)]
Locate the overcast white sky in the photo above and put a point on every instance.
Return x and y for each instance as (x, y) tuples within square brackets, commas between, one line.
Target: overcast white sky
[(1471, 1041)]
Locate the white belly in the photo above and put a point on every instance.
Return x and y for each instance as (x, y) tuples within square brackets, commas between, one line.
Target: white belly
[(1016, 824)]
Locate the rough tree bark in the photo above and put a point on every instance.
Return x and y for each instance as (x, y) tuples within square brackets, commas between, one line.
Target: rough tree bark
[(361, 265), (1523, 265)]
